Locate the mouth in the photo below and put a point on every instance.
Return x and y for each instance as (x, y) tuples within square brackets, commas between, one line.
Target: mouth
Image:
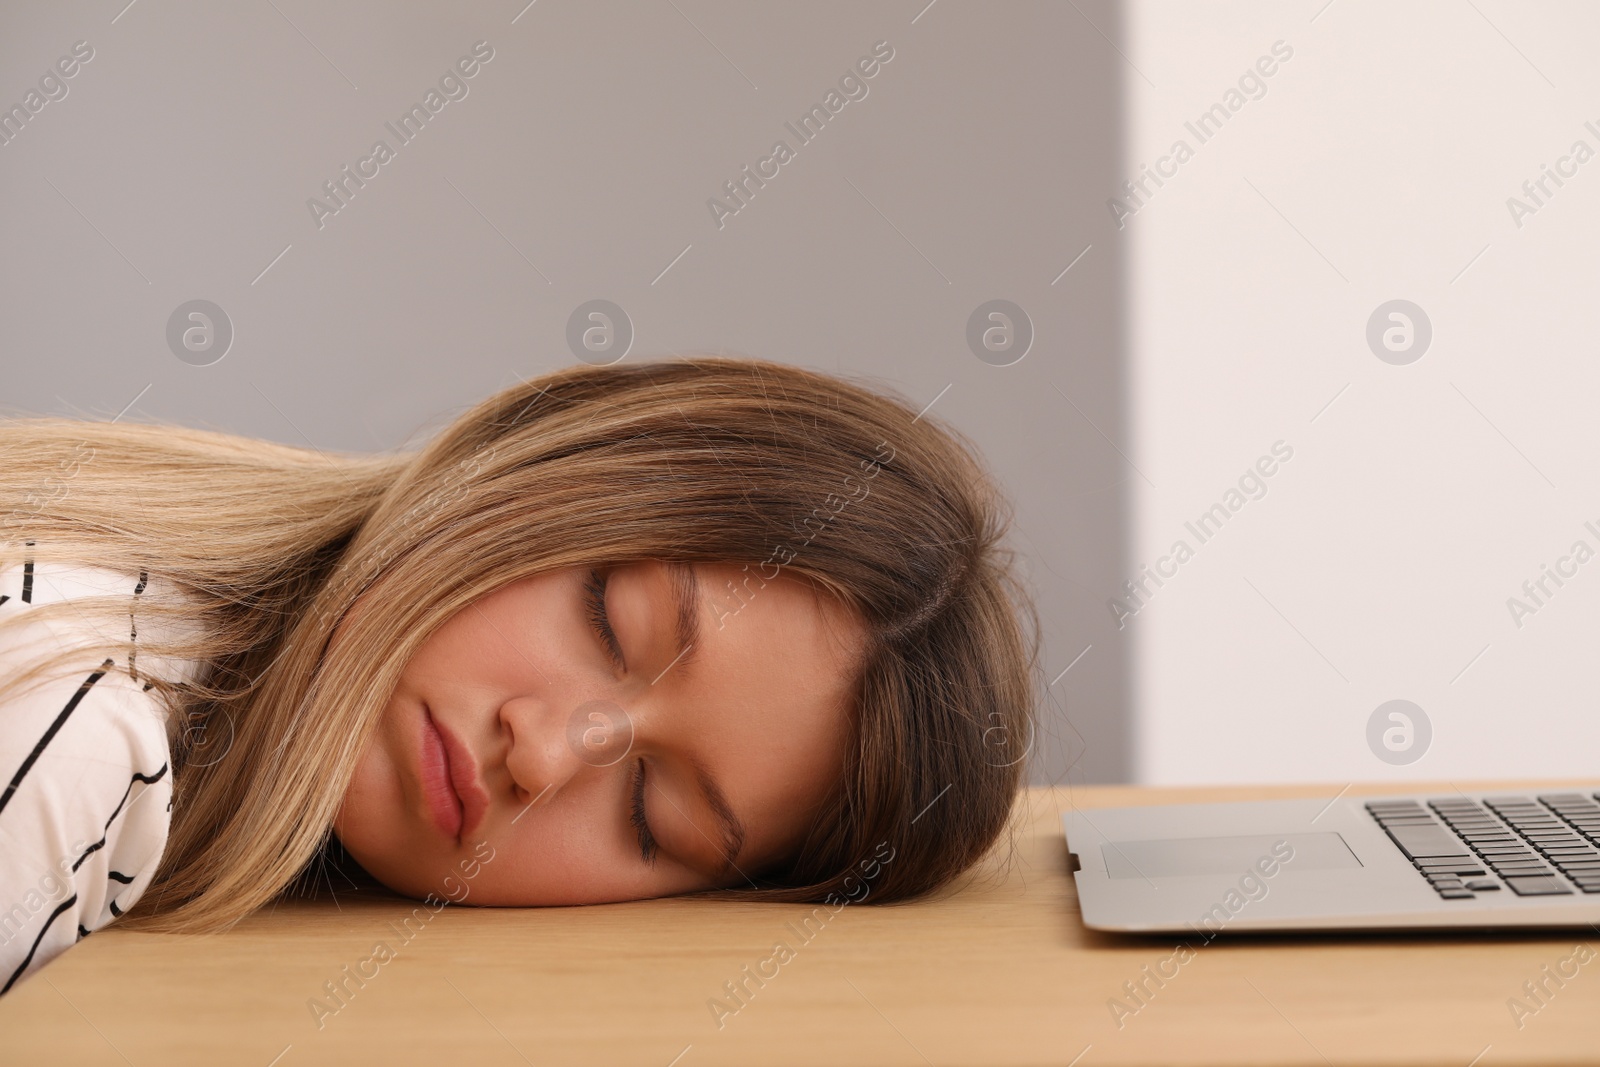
[(457, 801)]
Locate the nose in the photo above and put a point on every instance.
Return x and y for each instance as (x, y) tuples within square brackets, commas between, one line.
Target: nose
[(538, 760), (548, 748)]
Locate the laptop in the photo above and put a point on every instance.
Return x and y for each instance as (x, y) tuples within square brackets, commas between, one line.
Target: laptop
[(1401, 861)]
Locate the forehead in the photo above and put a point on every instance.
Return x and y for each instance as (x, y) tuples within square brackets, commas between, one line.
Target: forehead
[(742, 611)]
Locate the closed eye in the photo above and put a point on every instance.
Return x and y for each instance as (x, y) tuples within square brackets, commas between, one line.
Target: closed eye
[(647, 841), (594, 590)]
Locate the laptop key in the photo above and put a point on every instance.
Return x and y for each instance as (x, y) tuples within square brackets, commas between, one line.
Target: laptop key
[(1419, 842), (1524, 842)]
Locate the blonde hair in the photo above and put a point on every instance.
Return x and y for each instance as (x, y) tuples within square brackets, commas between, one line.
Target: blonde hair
[(696, 459)]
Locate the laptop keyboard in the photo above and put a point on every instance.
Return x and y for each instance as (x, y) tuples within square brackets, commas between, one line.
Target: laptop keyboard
[(1534, 846)]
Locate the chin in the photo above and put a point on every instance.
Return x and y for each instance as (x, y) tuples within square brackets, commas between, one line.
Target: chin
[(407, 876)]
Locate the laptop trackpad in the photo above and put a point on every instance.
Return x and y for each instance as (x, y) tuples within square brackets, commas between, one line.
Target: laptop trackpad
[(1256, 853)]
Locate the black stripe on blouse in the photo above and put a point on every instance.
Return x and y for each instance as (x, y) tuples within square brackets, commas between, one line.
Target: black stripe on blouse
[(27, 577), (23, 966), (49, 734), (149, 779), (133, 627)]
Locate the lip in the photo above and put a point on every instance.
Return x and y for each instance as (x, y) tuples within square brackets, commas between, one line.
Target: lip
[(456, 798)]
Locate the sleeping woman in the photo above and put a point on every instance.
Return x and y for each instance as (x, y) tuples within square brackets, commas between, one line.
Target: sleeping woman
[(700, 625)]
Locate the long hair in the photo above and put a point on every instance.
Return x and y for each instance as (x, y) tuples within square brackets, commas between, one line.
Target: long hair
[(777, 468)]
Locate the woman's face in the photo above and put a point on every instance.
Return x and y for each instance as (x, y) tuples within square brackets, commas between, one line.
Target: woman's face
[(527, 758)]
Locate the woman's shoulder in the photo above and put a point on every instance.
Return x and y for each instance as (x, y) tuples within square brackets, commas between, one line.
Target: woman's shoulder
[(85, 776), (31, 581), (28, 583)]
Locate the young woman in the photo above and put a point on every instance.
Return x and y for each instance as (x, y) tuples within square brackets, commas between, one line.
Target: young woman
[(615, 633)]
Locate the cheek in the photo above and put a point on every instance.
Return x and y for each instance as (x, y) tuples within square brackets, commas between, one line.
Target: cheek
[(568, 857), (373, 822), (366, 800), (549, 858)]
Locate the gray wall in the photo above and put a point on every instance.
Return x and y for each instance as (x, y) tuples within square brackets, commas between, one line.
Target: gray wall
[(179, 164)]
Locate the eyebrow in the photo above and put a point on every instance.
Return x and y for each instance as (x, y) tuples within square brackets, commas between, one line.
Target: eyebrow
[(685, 581), (685, 584), (732, 828)]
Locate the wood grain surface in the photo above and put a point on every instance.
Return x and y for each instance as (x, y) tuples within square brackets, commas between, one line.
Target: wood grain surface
[(997, 971)]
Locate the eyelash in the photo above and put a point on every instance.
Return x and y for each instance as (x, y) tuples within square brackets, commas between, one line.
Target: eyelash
[(594, 590), (647, 841)]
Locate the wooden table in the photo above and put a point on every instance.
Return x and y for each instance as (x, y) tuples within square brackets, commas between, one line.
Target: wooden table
[(999, 972)]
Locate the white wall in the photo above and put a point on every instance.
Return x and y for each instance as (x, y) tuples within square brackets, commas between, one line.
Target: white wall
[(1379, 563)]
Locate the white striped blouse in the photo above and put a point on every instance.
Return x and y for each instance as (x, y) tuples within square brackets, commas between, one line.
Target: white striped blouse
[(85, 773)]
